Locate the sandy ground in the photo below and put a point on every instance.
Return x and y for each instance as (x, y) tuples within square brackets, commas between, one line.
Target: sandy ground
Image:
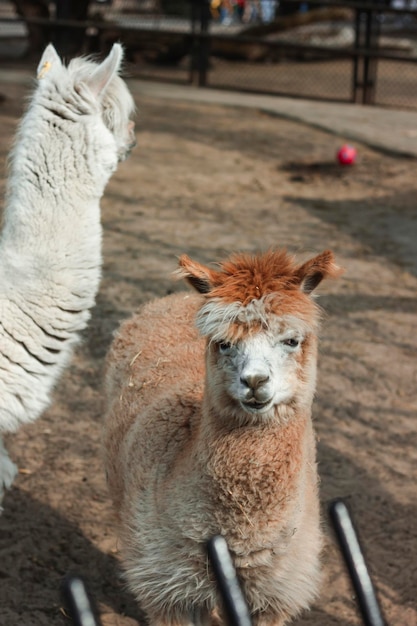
[(208, 180)]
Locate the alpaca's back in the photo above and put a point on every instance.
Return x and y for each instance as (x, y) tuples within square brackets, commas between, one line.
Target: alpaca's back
[(157, 358)]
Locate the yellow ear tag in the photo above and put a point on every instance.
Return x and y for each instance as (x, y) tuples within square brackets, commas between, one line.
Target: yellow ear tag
[(44, 69)]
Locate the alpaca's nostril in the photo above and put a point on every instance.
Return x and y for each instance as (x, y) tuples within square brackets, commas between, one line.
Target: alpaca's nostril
[(254, 381)]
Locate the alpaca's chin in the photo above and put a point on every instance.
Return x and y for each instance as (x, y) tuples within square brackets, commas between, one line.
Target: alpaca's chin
[(254, 407), (245, 414)]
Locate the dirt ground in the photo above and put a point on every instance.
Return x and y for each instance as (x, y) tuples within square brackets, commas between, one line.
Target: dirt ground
[(208, 180)]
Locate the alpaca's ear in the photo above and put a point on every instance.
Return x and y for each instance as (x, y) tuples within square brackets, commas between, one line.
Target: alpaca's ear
[(315, 270), (198, 276), (103, 74), (50, 62)]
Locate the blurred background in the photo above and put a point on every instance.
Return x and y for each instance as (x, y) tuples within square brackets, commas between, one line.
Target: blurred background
[(364, 52)]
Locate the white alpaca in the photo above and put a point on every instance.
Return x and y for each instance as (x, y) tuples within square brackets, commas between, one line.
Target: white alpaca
[(75, 131), (210, 433)]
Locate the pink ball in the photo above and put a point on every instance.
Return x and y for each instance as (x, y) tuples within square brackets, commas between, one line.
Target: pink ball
[(346, 155)]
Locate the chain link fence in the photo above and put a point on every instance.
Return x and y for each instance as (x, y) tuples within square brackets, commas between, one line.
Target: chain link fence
[(351, 52)]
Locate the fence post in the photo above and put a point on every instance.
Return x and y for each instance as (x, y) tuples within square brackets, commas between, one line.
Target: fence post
[(365, 66), (203, 52)]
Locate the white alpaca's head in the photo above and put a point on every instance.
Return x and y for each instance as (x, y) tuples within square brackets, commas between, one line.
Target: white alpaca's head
[(87, 87), (261, 325)]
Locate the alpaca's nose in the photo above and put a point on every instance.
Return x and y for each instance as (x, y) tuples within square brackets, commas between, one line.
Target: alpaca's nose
[(254, 381)]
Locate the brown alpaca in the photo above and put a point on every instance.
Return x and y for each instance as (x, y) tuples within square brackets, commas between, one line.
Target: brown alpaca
[(210, 433)]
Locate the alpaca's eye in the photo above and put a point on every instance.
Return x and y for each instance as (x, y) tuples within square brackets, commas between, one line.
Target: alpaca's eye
[(225, 347), (291, 342)]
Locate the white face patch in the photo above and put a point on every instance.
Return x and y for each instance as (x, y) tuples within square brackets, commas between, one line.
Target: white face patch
[(257, 362), (260, 371)]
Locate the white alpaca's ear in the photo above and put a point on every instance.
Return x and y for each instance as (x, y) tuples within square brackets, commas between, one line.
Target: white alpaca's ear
[(315, 270), (50, 61), (101, 76)]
